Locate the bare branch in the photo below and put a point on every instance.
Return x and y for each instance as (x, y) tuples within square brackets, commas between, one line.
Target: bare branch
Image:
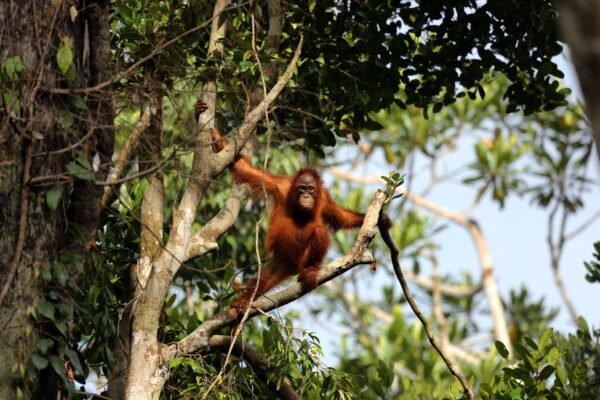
[(556, 247), (454, 369), (582, 227), (490, 285), (445, 289), (126, 151)]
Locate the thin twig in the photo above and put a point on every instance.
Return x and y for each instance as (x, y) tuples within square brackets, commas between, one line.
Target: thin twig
[(437, 302), (583, 226), (556, 249), (454, 369), (40, 180)]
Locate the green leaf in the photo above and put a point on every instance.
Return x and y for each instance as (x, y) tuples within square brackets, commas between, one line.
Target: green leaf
[(75, 362), (545, 337), (66, 118), (530, 342), (546, 372), (583, 326), (562, 376), (12, 67), (11, 102), (39, 362), (44, 344), (522, 350), (60, 272), (501, 348), (79, 171), (64, 57), (553, 356), (58, 366), (46, 309), (53, 196)]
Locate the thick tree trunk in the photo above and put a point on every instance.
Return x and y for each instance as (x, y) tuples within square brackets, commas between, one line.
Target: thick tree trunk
[(151, 246), (36, 143), (580, 21)]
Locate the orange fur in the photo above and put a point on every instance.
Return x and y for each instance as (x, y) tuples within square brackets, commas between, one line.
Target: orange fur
[(297, 240)]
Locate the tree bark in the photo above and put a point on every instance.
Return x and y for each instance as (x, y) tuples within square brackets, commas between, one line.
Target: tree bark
[(580, 21), (36, 144)]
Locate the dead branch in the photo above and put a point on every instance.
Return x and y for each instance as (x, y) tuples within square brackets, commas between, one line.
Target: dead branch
[(454, 369)]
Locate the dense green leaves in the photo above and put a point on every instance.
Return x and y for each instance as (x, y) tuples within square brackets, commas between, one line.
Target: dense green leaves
[(593, 267), (357, 58), (556, 367)]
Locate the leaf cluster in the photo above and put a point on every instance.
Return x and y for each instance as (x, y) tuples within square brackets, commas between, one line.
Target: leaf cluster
[(554, 367)]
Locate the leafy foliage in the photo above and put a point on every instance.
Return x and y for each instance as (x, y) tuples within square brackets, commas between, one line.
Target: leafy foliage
[(292, 355), (527, 317), (554, 367), (435, 53), (593, 267)]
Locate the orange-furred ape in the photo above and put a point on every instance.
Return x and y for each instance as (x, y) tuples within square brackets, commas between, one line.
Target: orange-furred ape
[(298, 234)]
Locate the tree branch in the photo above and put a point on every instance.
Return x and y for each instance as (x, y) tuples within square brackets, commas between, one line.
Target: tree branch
[(445, 289), (198, 339), (490, 285), (23, 213), (454, 369), (126, 151), (225, 157)]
